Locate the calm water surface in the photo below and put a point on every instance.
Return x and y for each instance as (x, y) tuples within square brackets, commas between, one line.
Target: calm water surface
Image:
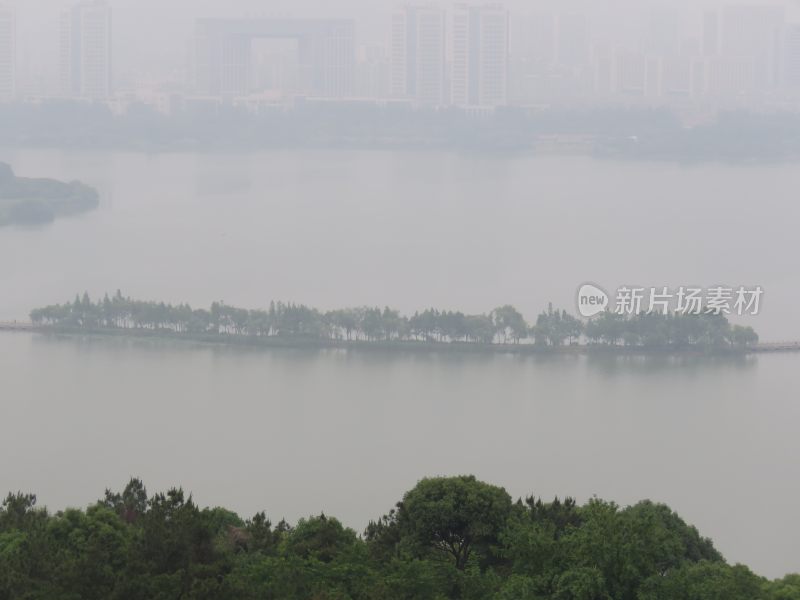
[(294, 433), (408, 229)]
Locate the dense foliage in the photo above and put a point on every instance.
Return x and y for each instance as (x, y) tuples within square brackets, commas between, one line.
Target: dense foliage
[(32, 201), (448, 538), (553, 328)]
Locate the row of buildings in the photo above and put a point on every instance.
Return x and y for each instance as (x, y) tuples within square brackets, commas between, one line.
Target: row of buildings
[(479, 60), (85, 50), (325, 61), (475, 55), (739, 54), (466, 55)]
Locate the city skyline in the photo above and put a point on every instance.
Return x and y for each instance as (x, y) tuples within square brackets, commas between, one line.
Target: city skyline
[(733, 54)]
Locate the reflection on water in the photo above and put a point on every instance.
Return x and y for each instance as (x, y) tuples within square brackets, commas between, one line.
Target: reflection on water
[(296, 431), (613, 364)]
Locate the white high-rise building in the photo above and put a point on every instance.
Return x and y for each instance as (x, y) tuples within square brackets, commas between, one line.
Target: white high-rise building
[(85, 50), (418, 54), (791, 59), (631, 71), (711, 34), (480, 56), (572, 41), (8, 54)]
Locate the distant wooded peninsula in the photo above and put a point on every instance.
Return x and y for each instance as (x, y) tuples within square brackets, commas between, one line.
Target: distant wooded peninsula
[(25, 201), (503, 328)]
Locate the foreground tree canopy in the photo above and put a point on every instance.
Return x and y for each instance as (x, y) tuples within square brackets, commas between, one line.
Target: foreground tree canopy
[(448, 538), (504, 325)]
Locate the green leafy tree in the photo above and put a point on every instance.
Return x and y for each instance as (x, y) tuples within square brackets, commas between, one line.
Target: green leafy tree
[(705, 581), (453, 516), (322, 538), (509, 323)]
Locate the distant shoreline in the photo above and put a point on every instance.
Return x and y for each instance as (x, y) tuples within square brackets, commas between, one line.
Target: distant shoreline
[(530, 151), (25, 201), (395, 346), (619, 133)]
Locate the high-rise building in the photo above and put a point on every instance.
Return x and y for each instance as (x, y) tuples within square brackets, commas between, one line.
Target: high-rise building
[(480, 56), (676, 77), (631, 71), (85, 50), (731, 80), (662, 34), (603, 71), (534, 40), (754, 32), (532, 54), (8, 54), (572, 46), (791, 58), (418, 54), (711, 34)]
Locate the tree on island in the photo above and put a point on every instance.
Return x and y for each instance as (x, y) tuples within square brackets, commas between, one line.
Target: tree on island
[(502, 326)]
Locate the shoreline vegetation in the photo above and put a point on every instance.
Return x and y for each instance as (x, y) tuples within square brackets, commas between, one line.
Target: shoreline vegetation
[(26, 201), (737, 137), (448, 538), (503, 330)]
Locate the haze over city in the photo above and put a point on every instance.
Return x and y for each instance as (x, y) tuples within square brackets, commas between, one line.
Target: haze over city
[(377, 300), (693, 57)]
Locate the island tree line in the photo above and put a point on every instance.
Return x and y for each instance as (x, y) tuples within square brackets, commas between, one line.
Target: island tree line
[(504, 325)]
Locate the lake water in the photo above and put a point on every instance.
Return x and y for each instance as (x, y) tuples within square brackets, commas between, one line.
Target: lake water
[(298, 432)]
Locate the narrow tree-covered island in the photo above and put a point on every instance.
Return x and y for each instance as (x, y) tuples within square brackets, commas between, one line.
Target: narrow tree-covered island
[(36, 201), (504, 328), (447, 538)]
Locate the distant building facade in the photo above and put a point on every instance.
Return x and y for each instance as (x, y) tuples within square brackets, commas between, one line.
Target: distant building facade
[(418, 54), (8, 53), (791, 59), (752, 34), (85, 51), (480, 58), (326, 54)]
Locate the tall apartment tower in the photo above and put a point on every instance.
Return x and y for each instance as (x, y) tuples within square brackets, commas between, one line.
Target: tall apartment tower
[(8, 54), (418, 54), (711, 34), (792, 58), (480, 56), (85, 50)]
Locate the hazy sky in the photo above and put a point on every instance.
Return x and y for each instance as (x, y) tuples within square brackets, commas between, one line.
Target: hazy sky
[(152, 36)]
